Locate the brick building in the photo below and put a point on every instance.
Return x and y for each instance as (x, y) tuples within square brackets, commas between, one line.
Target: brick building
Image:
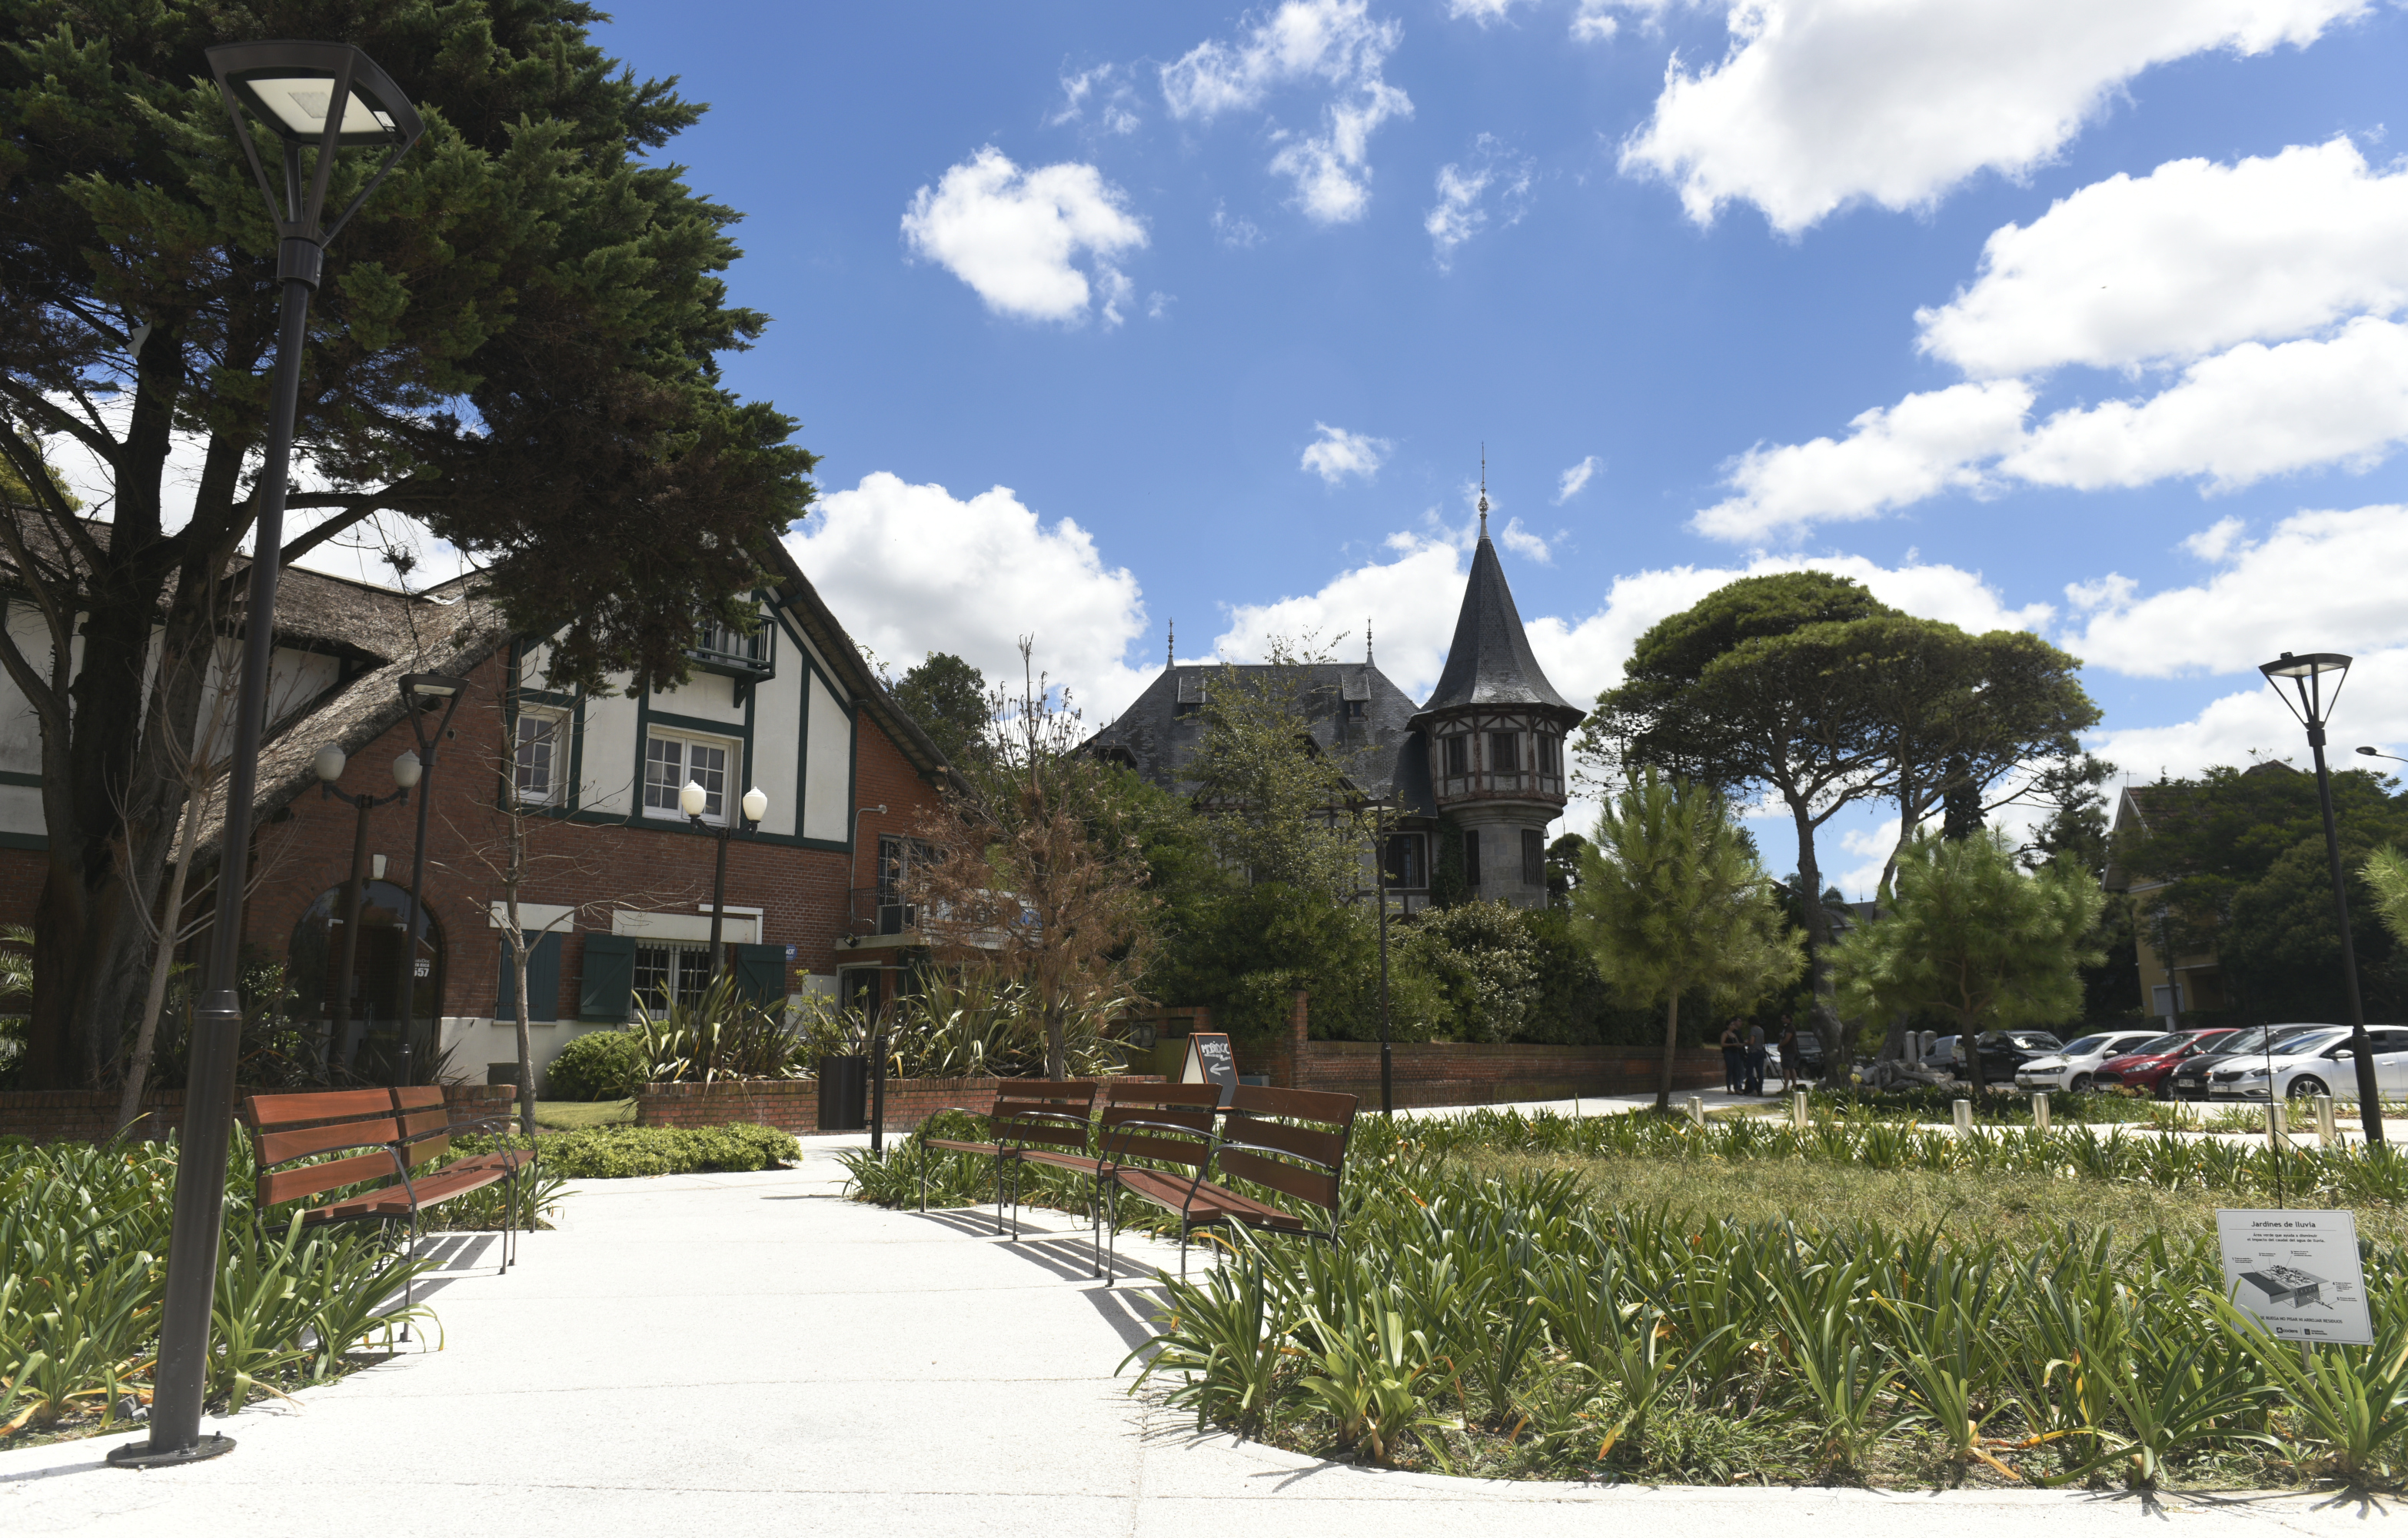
[(618, 884)]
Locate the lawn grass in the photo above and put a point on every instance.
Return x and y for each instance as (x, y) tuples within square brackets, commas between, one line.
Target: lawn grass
[(2023, 1210), (576, 1116)]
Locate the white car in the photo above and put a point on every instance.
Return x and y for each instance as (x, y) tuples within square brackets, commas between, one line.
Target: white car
[(2070, 1070), (2309, 1065)]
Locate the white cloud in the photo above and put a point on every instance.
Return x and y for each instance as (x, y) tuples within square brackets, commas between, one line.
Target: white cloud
[(1106, 90), (1524, 543), (2175, 265), (1338, 454), (2251, 721), (1595, 22), (1238, 234), (1821, 102), (1409, 601), (1485, 12), (2237, 417), (1461, 210), (1923, 445), (913, 568), (1575, 479), (1012, 235), (1331, 43), (2319, 582)]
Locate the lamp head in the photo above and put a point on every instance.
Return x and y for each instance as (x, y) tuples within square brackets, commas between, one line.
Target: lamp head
[(328, 765), (407, 770), (693, 798), (2306, 676), (756, 805), (290, 86), (428, 690)]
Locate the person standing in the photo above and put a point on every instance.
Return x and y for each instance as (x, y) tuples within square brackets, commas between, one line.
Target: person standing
[(1790, 1055), (1755, 1060), (1734, 1059)]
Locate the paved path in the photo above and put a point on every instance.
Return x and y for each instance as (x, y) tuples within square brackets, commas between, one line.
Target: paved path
[(730, 1355)]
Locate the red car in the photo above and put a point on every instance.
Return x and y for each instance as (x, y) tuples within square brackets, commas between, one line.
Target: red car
[(2147, 1067)]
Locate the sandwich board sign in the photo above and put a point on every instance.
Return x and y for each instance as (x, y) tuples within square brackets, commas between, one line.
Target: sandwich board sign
[(2297, 1272), (1210, 1061)]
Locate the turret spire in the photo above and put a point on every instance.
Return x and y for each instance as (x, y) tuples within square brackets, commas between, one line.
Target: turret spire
[(1170, 648), (1367, 641), (1483, 491)]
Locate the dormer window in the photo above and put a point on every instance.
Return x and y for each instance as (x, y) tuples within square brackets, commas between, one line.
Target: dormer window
[(1356, 708)]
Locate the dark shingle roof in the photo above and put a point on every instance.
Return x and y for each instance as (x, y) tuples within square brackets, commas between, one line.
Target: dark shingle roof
[(1379, 751), (1489, 662)]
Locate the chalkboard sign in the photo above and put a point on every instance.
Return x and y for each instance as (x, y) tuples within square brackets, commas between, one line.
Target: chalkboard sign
[(1209, 1061)]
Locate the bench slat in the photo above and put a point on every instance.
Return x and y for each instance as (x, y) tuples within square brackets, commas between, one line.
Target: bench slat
[(280, 1148), (1313, 1143), (309, 1179), (1307, 1184), (267, 1110)]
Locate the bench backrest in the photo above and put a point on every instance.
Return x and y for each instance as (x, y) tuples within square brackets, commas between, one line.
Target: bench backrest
[(1054, 1112), (285, 1127), (420, 1109), (1178, 1118), (1306, 1130)]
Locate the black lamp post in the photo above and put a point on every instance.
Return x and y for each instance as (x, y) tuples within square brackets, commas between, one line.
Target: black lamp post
[(293, 89), (693, 802), (329, 766), (422, 695), (2306, 676), (1379, 886)]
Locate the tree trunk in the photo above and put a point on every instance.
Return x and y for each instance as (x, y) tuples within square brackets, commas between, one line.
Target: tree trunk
[(1818, 947), (1057, 1054), (162, 961), (1672, 1043), (517, 940)]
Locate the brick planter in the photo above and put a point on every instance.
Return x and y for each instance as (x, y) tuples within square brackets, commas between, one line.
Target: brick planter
[(89, 1115), (793, 1105)]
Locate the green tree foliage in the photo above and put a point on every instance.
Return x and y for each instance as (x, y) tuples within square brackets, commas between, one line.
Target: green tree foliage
[(2241, 854), (948, 698), (1481, 961), (1974, 940), (1279, 809), (2385, 874), (1672, 900), (517, 341)]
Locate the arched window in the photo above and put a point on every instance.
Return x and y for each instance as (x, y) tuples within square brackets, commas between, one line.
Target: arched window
[(370, 997)]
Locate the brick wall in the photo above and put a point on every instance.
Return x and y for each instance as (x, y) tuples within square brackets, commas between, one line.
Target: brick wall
[(86, 1116), (793, 1105)]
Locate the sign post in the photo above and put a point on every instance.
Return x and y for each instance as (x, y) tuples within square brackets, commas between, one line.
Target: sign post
[(1210, 1061), (2296, 1273)]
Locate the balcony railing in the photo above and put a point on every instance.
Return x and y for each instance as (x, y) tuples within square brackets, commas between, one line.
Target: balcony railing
[(732, 653), (881, 911)]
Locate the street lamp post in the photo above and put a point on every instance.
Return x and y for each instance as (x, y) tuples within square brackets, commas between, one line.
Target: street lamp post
[(421, 694), (693, 802), (329, 766), (2306, 676), (1380, 885), (293, 89)]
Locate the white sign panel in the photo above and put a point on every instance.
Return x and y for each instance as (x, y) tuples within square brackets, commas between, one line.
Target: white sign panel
[(2298, 1272)]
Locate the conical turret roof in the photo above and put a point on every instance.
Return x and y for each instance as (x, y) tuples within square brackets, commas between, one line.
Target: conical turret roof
[(1490, 662)]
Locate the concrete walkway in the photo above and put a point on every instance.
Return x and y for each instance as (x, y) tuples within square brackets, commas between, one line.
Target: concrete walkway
[(730, 1355)]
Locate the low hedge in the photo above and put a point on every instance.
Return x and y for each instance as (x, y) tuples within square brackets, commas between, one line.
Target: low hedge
[(613, 1153), (600, 1065)]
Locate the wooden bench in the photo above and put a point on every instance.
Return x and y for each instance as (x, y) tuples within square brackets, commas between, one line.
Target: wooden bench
[(1171, 1123), (1044, 1114), (387, 1135), (1290, 1140)]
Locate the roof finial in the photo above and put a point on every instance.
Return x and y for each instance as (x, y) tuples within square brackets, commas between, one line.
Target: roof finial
[(1483, 491), (1367, 641), (1170, 648)]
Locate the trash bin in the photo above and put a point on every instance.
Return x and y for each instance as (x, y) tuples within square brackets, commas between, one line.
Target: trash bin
[(844, 1094)]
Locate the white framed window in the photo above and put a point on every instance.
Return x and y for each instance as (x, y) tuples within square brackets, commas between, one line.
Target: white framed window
[(671, 972), (539, 757), (672, 758)]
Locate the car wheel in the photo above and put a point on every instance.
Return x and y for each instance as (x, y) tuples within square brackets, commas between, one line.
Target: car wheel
[(2081, 1085), (2305, 1087), (2165, 1090)]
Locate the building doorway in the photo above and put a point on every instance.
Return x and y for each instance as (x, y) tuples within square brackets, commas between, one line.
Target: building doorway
[(373, 1043)]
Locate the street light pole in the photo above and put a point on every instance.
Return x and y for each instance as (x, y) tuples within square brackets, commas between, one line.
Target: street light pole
[(322, 96), (420, 693), (693, 802), (2306, 675), (1379, 884)]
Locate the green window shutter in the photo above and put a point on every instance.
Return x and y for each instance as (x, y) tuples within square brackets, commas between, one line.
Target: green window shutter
[(761, 972), (543, 981), (607, 982)]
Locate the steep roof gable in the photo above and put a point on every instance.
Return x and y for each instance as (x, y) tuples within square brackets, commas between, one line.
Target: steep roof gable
[(1490, 662)]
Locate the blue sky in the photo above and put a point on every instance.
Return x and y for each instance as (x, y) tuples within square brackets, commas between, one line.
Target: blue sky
[(1226, 300)]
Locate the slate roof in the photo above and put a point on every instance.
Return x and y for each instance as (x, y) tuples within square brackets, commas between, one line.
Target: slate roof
[(1489, 662), (1381, 754)]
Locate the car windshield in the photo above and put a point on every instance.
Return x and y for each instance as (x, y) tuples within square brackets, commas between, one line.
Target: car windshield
[(2163, 1044), (2085, 1046)]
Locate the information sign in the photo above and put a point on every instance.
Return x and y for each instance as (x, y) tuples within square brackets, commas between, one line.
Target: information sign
[(2298, 1272), (1210, 1061)]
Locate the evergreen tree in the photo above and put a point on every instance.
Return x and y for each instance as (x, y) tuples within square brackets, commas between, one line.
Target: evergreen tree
[(1673, 901), (1973, 939), (948, 698)]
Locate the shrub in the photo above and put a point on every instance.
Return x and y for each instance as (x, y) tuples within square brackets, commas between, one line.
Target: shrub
[(614, 1153), (600, 1065)]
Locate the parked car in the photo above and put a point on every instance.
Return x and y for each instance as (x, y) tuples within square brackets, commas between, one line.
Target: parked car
[(2188, 1082), (2311, 1064), (2004, 1053), (2149, 1067), (2073, 1067)]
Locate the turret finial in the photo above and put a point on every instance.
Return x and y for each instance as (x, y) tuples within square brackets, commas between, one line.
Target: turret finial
[(1483, 491), (1170, 648), (1367, 642)]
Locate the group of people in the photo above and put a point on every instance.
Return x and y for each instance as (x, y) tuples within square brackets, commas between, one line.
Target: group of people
[(1746, 1053)]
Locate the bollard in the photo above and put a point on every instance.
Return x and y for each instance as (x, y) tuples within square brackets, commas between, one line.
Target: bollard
[(2278, 1122), (1698, 1108), (2328, 1132), (2039, 1110), (1964, 1117), (1798, 1109)]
